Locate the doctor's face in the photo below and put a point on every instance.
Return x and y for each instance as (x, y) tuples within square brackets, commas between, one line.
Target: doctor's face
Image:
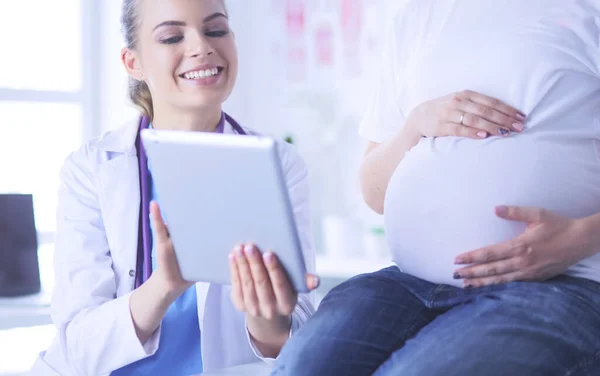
[(187, 52)]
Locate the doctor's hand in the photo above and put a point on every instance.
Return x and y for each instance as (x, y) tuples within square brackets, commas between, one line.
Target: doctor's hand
[(466, 114), (550, 244), (262, 290), (167, 271), (260, 286), (149, 302)]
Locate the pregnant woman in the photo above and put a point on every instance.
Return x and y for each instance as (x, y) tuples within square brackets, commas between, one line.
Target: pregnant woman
[(491, 200)]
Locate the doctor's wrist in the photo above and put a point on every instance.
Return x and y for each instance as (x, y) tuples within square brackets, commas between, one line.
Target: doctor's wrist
[(269, 336), (165, 293), (148, 305), (269, 330)]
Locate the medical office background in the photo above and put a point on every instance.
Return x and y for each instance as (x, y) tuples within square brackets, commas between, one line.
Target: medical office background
[(307, 69)]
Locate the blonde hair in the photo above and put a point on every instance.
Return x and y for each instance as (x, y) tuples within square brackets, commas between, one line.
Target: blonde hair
[(139, 93)]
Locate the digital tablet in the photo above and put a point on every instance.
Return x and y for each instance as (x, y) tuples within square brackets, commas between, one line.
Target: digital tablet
[(219, 190)]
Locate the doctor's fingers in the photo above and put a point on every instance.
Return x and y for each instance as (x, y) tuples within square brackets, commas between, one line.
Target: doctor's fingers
[(312, 281), (262, 282), (159, 229), (248, 291), (284, 294), (237, 296)]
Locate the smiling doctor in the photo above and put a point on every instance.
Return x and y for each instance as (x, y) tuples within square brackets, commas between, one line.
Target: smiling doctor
[(120, 304)]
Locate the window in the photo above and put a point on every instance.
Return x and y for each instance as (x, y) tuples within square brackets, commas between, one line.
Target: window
[(42, 40), (46, 80), (35, 140)]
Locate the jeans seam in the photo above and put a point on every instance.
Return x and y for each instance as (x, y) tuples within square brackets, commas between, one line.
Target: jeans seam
[(413, 330), (585, 362), (434, 295)]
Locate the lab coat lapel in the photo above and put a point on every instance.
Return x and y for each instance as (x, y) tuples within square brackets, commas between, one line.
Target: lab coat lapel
[(119, 192)]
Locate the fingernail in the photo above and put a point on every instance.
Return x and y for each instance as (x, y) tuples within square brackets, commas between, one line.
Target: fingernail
[(457, 276), (521, 116), (482, 134), (238, 251), (316, 281), (501, 210), (249, 249), (268, 257), (519, 126), (503, 131), (231, 257), (458, 261)]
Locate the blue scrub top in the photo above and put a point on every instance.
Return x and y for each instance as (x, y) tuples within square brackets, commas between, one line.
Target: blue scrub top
[(179, 352)]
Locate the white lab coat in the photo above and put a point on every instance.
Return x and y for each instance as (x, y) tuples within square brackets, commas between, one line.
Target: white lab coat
[(95, 263)]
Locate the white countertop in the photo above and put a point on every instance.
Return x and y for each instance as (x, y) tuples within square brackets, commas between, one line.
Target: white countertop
[(256, 369), (343, 268)]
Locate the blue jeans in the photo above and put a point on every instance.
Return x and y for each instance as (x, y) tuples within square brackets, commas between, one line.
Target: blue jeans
[(391, 323)]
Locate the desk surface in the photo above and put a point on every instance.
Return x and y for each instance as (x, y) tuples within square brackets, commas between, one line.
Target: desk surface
[(25, 312)]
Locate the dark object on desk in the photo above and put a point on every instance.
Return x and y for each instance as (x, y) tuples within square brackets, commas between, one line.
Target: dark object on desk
[(19, 268)]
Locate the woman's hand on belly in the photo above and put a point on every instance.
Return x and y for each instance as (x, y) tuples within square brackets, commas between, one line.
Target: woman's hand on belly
[(548, 247), (466, 114)]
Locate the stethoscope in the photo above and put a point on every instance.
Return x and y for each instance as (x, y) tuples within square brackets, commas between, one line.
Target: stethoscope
[(144, 253)]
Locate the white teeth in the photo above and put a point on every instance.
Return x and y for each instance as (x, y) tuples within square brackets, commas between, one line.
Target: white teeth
[(201, 74)]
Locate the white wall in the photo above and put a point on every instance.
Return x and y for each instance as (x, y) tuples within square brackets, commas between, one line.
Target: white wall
[(323, 110)]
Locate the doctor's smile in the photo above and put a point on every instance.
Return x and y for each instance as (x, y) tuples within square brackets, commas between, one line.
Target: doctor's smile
[(203, 75)]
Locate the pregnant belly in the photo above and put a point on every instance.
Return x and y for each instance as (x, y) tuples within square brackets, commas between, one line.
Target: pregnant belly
[(440, 201)]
